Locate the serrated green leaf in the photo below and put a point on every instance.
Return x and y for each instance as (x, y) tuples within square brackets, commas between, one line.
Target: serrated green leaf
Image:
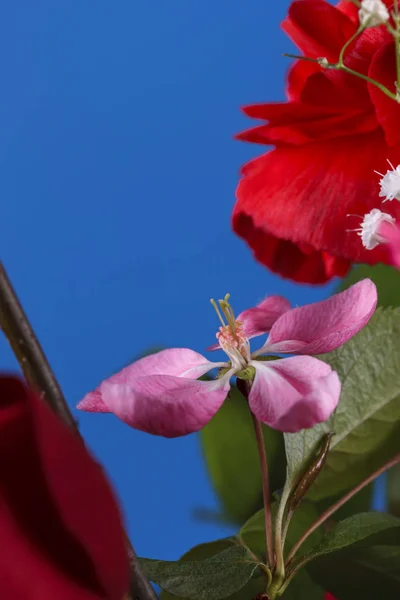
[(365, 529), (202, 551), (217, 577), (230, 452), (360, 573), (367, 420), (386, 279)]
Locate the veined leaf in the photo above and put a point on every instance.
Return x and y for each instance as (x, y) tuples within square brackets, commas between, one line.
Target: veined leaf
[(217, 577), (365, 529), (252, 588), (360, 573), (367, 420)]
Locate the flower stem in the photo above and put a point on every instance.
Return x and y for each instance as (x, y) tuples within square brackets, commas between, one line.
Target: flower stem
[(396, 35), (39, 375), (345, 69), (347, 44), (332, 509), (266, 491)]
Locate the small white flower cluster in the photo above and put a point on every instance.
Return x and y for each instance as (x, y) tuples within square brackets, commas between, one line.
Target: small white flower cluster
[(369, 228), (373, 13)]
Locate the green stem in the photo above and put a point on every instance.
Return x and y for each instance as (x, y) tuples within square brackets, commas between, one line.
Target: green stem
[(396, 35), (280, 563), (289, 516), (332, 509), (345, 69), (347, 44), (381, 87), (266, 491)]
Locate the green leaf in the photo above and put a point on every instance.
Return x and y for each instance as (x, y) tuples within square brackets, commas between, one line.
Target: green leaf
[(216, 577), (202, 551), (303, 588), (365, 529), (367, 420), (386, 279), (360, 573), (253, 531), (253, 535), (230, 451), (360, 502)]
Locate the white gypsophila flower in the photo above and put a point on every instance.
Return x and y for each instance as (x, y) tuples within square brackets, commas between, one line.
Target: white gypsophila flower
[(323, 62), (369, 230), (390, 184), (373, 13)]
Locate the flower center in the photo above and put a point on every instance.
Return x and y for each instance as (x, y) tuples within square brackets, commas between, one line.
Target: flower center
[(230, 336)]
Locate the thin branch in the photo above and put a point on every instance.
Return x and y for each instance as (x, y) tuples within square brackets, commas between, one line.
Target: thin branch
[(332, 509), (29, 353), (39, 375), (266, 491)]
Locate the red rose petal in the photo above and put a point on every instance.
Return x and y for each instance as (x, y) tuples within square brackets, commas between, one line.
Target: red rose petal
[(61, 531), (297, 76), (318, 28), (383, 69), (304, 194), (296, 262)]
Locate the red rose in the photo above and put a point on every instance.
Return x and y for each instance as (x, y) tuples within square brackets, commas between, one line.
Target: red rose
[(60, 529), (330, 137)]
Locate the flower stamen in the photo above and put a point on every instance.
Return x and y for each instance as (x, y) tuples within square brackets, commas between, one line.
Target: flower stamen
[(231, 336)]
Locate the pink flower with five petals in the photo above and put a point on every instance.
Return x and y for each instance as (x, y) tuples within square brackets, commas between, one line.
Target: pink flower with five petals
[(161, 394)]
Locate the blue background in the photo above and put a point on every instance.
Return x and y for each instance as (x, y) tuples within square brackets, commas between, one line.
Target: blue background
[(117, 179)]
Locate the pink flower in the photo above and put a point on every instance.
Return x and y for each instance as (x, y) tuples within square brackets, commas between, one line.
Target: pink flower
[(161, 393)]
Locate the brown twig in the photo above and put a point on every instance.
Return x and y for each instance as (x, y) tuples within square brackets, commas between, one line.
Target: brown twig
[(332, 509), (39, 375), (28, 351)]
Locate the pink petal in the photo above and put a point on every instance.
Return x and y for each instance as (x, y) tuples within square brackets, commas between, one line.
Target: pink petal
[(166, 405), (294, 393), (177, 362), (323, 326), (259, 320)]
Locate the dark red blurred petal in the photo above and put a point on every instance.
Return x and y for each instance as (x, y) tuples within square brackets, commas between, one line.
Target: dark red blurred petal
[(298, 74), (350, 9), (304, 194), (318, 28), (382, 69), (336, 89), (301, 264), (302, 128), (61, 533)]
